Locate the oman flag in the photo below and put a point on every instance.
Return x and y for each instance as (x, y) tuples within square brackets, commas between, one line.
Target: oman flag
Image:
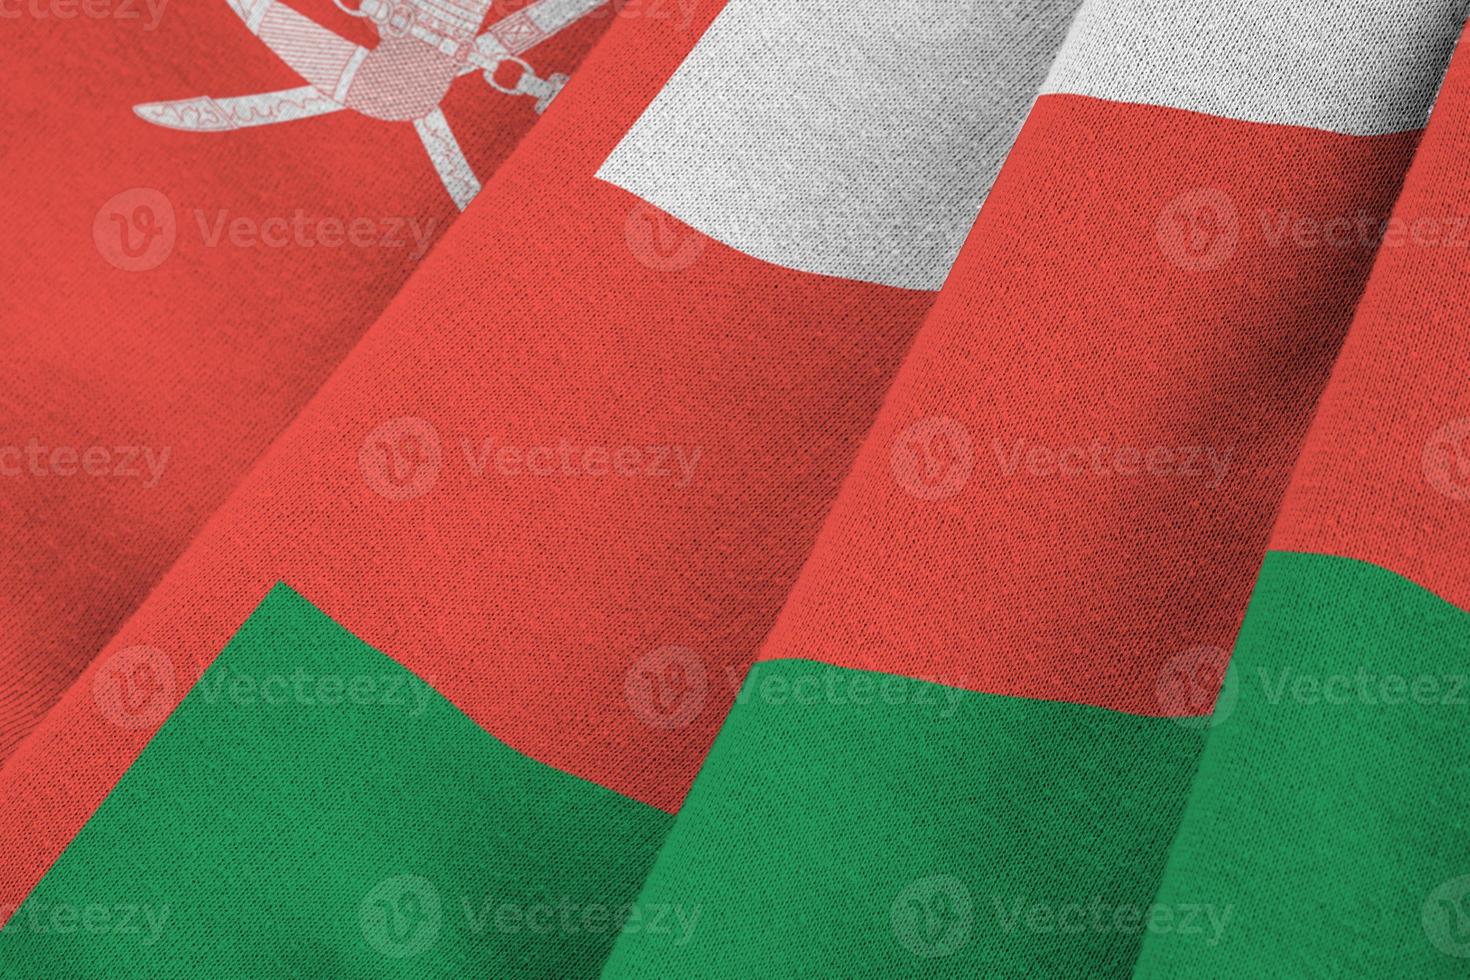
[(786, 511)]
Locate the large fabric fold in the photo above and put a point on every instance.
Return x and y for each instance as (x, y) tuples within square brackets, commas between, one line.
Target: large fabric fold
[(1328, 806), (1063, 501), (568, 477)]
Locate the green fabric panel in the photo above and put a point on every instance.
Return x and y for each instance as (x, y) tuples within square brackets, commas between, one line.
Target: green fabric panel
[(850, 823), (366, 830), (1331, 813)]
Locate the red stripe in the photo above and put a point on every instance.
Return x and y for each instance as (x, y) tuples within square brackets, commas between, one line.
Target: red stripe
[(1081, 325), (1385, 473)]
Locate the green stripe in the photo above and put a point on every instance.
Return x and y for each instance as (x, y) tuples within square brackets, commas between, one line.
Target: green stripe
[(851, 823), (1331, 814), (313, 809)]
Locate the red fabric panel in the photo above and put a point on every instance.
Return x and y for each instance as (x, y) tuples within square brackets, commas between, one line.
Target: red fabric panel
[(546, 606), (204, 345)]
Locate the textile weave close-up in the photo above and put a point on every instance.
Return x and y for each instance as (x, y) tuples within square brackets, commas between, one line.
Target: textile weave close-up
[(732, 489)]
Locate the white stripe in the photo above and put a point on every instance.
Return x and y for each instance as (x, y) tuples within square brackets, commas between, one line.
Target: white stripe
[(851, 139), (1351, 66)]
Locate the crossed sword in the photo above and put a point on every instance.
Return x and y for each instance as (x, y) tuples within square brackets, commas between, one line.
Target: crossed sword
[(504, 42)]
